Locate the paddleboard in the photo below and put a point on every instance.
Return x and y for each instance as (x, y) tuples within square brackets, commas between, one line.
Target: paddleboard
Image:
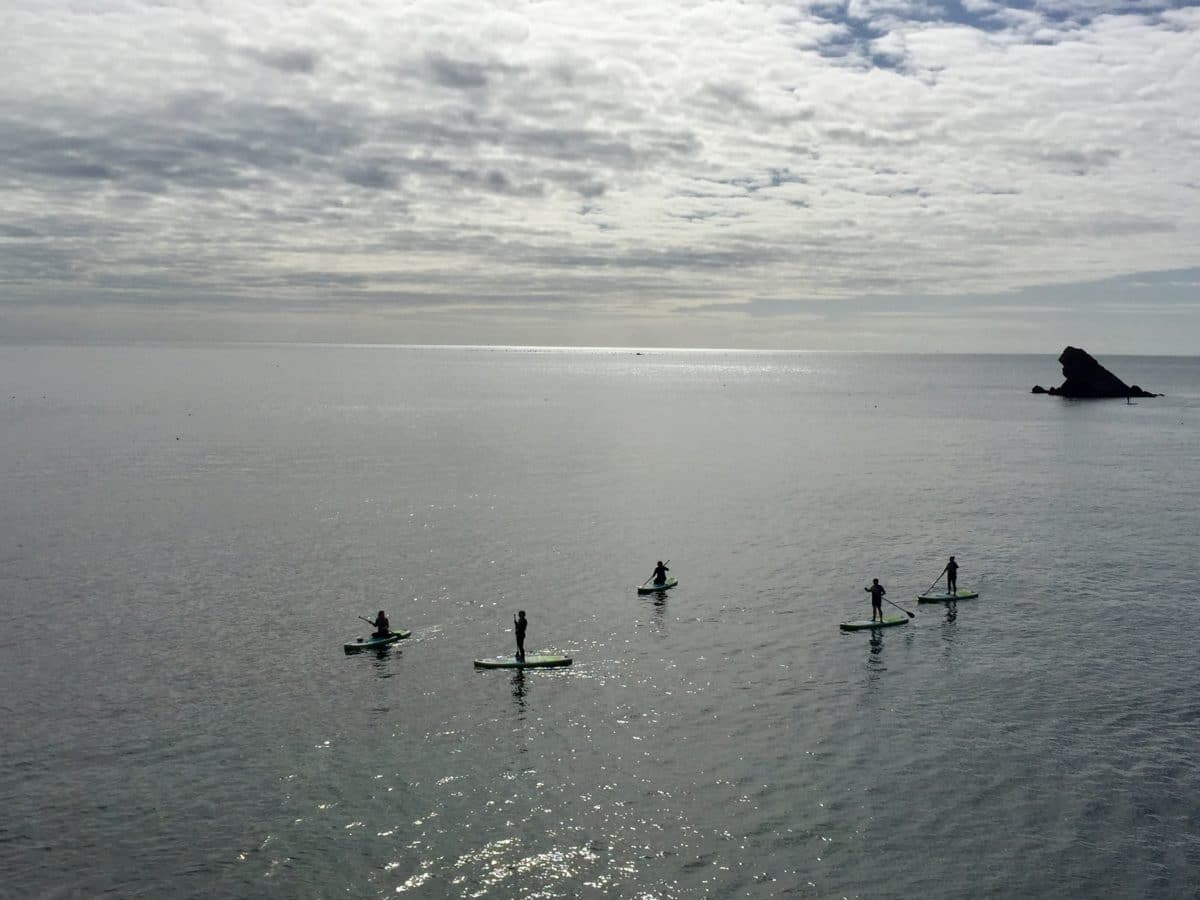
[(862, 624), (942, 596), (374, 643), (655, 588), (531, 661)]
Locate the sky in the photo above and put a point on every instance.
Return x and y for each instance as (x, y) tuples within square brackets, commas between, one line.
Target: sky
[(890, 175)]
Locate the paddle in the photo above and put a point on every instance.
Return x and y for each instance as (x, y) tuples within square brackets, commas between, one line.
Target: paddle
[(936, 580), (898, 606), (372, 624), (647, 581)]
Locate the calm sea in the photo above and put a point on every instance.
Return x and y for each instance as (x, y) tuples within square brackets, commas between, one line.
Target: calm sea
[(189, 534)]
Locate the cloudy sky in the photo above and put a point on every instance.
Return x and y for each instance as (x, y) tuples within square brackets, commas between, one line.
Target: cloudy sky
[(873, 174)]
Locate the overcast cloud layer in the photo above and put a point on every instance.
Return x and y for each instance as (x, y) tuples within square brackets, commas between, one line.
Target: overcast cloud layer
[(882, 174)]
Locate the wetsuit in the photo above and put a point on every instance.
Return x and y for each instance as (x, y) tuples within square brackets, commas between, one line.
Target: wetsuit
[(951, 577), (660, 574), (382, 626), (519, 626), (876, 591)]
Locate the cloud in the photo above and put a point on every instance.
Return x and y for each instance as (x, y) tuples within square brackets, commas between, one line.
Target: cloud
[(459, 73), (625, 158), (370, 176), (294, 59)]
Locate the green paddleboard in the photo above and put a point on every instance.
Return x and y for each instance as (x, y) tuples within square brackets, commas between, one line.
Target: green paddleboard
[(944, 596), (531, 661), (374, 643), (862, 624), (655, 588)]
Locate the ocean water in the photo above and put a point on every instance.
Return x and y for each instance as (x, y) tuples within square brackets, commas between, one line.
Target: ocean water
[(190, 533)]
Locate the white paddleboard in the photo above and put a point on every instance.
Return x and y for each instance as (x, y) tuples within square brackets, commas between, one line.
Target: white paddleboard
[(944, 596), (863, 624), (531, 661)]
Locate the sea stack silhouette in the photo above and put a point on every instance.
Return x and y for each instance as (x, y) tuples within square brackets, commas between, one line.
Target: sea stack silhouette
[(1086, 379)]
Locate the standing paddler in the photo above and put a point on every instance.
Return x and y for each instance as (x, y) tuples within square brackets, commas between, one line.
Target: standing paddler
[(876, 590), (520, 623), (951, 573)]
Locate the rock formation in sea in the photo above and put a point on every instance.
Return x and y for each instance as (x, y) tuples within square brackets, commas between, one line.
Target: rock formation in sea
[(1087, 379)]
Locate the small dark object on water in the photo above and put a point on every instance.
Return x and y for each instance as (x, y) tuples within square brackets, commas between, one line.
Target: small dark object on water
[(1086, 379)]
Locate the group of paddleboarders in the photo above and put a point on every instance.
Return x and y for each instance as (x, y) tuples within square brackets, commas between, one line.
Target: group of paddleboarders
[(383, 628), (877, 590), (521, 623)]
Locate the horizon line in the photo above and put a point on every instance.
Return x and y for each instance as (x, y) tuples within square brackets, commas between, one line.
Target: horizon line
[(558, 348)]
